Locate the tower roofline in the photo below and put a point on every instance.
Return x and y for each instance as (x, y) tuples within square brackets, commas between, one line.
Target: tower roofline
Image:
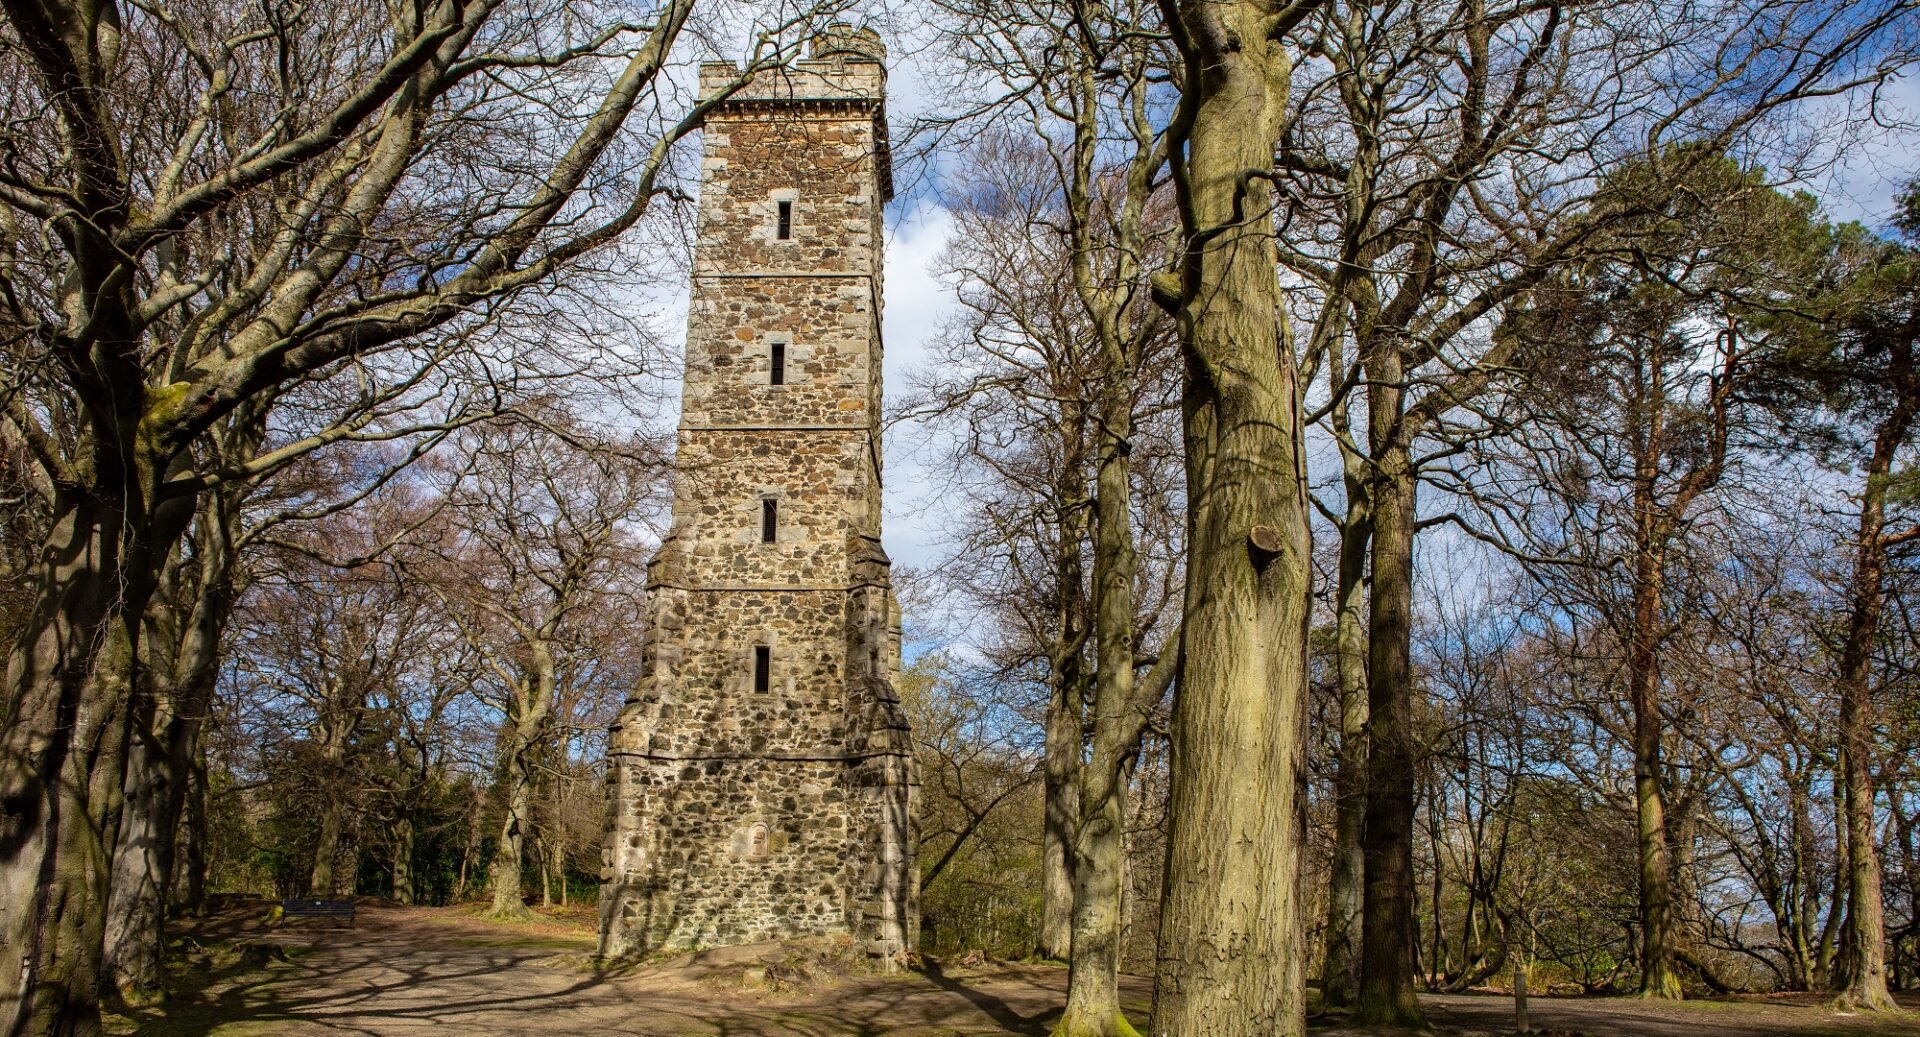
[(846, 66)]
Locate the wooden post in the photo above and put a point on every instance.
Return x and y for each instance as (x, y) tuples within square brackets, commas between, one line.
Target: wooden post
[(1521, 971), (1520, 998)]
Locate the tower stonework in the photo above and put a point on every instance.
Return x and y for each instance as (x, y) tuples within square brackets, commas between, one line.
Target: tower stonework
[(761, 777)]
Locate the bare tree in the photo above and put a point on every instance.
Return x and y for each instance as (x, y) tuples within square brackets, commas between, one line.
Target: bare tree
[(1079, 77), (1231, 954), (220, 204), (1860, 365), (532, 558), (1441, 164)]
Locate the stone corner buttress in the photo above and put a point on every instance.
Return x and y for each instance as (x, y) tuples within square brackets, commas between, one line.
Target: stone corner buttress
[(760, 780)]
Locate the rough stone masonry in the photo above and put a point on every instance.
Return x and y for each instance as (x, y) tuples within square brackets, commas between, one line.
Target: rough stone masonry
[(761, 778)]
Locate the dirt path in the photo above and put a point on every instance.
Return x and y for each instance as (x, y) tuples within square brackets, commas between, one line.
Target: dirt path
[(1630, 1017), (402, 972)]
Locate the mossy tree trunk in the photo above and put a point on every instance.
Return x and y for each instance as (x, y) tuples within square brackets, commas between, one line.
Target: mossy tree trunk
[(1231, 947), (181, 650), (530, 704), (69, 687)]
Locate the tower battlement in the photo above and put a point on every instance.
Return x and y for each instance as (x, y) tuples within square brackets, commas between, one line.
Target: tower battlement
[(760, 778)]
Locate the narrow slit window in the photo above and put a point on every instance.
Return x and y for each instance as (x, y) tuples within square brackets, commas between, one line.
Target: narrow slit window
[(783, 220), (762, 668), (769, 519), (777, 365)]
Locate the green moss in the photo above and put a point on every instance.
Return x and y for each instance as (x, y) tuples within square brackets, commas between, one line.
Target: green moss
[(1116, 1026)]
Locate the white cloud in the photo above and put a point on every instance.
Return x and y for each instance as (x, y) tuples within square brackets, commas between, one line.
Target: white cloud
[(1871, 168), (917, 304)]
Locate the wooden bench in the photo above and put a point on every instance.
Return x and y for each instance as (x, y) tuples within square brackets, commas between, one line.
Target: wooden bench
[(336, 909)]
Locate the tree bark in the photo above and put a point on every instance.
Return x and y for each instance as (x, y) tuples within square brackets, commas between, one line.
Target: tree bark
[(1062, 793), (532, 703), (191, 880), (181, 667), (1659, 978), (70, 684), (1093, 981), (1340, 969), (1231, 950), (320, 882), (133, 930), (546, 872), (1522, 972), (1866, 987), (403, 836), (1065, 709), (1389, 932), (339, 717), (504, 877)]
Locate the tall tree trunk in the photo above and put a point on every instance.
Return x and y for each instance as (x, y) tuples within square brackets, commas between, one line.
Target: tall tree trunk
[(69, 688), (191, 868), (326, 850), (403, 836), (1093, 982), (546, 872), (1866, 918), (337, 721), (1231, 949), (1389, 930), (1066, 706), (509, 855), (1062, 794), (1659, 976), (133, 931), (532, 702), (1440, 953), (181, 647), (1826, 958), (1798, 930), (469, 847), (1340, 971)]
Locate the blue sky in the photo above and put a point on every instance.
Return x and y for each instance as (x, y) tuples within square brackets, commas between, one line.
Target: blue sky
[(1860, 185)]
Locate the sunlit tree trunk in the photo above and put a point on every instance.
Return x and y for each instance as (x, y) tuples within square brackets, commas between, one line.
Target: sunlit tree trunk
[(531, 703), (181, 649), (1232, 957), (1062, 794), (1659, 976), (1099, 849), (403, 836), (69, 687), (1065, 732), (190, 870), (1866, 986), (339, 717)]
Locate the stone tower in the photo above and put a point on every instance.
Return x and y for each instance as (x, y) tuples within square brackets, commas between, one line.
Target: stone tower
[(761, 776)]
